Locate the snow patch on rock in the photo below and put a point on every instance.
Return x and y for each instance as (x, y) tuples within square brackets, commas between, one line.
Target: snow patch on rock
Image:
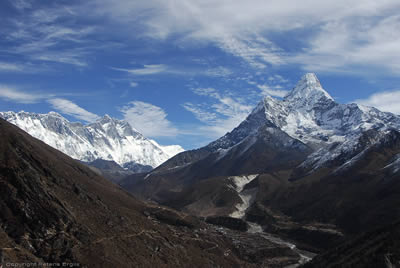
[(394, 166)]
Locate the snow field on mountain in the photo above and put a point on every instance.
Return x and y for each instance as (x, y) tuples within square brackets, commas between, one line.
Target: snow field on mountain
[(107, 138)]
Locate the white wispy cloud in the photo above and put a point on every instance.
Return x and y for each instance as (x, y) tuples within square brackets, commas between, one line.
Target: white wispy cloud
[(64, 106), (329, 34), (200, 112), (149, 69), (209, 91), (220, 115), (23, 67), (21, 4), (255, 50), (10, 67), (275, 92), (133, 84), (48, 34), (277, 79), (148, 119), (68, 57), (354, 43), (387, 101), (68, 107), (13, 94), (326, 36), (219, 71)]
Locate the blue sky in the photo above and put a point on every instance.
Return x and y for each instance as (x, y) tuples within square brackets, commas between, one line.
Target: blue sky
[(187, 71)]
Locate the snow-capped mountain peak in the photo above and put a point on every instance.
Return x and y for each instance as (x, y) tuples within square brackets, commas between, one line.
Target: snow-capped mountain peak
[(114, 127), (107, 138), (106, 118), (309, 114), (55, 114), (308, 92)]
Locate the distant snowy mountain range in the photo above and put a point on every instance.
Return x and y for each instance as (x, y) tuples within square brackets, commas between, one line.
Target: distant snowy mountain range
[(107, 139)]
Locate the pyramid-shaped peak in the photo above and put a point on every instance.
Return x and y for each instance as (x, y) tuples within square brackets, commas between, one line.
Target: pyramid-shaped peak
[(105, 119), (308, 87), (310, 79), (121, 127)]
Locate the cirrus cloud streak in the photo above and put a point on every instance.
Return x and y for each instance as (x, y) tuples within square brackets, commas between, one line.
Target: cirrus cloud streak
[(148, 119), (387, 101)]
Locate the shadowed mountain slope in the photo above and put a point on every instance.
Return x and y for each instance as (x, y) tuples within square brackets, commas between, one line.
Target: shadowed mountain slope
[(54, 209), (378, 248)]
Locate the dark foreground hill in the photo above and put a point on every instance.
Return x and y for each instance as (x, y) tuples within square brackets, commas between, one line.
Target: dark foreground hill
[(55, 210), (378, 248)]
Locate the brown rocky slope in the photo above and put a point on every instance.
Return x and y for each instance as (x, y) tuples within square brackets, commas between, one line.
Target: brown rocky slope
[(55, 210)]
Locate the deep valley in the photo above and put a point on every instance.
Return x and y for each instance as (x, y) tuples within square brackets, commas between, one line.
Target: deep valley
[(302, 181)]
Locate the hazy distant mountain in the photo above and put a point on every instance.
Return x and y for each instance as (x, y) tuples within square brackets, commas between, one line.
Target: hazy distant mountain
[(113, 171), (108, 139)]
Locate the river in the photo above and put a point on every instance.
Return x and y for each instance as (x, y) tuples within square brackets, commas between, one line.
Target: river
[(305, 256)]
